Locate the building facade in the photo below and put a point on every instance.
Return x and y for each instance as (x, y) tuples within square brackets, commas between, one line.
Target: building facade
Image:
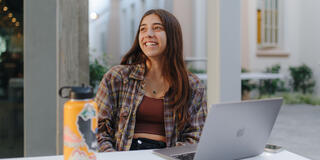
[(298, 36)]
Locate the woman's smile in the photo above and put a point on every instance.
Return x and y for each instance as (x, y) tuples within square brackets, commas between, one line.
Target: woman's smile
[(151, 44)]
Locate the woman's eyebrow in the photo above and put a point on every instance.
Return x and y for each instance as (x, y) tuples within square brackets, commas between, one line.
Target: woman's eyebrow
[(142, 25), (152, 24), (157, 24)]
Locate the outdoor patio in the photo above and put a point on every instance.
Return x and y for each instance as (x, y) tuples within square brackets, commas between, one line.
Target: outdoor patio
[(297, 129)]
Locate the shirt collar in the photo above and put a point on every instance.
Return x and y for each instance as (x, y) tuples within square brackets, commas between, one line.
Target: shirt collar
[(138, 72)]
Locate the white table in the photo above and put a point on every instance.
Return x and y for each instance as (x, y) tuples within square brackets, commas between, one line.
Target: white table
[(149, 155)]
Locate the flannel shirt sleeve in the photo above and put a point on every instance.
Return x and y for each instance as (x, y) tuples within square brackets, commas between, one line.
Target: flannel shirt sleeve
[(106, 100), (192, 132)]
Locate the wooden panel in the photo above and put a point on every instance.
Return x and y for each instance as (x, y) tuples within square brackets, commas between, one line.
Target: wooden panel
[(73, 56)]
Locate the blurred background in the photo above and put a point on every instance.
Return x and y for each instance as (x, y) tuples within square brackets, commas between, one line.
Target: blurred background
[(278, 56), (11, 78)]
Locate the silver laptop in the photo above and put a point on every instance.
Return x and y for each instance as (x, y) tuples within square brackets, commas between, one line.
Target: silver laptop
[(232, 131)]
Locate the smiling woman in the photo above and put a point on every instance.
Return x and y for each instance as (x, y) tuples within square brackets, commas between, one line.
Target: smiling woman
[(150, 100)]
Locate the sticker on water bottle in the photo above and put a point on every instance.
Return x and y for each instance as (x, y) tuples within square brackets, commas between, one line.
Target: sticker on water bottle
[(80, 138), (85, 126)]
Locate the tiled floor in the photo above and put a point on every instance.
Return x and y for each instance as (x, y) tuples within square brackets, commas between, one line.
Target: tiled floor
[(297, 129)]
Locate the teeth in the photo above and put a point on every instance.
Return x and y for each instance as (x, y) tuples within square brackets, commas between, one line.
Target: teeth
[(150, 44)]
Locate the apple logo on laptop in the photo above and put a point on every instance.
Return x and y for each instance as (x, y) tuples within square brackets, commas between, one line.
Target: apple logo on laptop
[(240, 132)]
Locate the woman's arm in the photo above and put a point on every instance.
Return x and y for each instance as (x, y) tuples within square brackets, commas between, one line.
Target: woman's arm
[(192, 131), (106, 100)]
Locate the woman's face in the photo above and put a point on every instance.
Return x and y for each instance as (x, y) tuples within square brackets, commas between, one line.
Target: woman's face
[(152, 36)]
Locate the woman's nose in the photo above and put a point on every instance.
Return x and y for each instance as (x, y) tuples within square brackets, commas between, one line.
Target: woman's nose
[(150, 33)]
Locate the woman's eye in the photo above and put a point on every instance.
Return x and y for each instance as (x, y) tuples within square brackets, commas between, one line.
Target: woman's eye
[(158, 28), (142, 29)]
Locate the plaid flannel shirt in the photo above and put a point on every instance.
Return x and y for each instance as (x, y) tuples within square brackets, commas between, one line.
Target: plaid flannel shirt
[(119, 95)]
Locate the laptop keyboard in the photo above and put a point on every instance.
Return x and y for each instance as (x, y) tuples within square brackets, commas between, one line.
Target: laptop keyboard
[(185, 156)]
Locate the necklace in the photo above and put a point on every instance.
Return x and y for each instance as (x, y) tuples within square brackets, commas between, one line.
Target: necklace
[(153, 91)]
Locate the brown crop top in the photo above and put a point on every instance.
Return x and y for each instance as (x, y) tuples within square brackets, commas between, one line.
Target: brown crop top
[(150, 116)]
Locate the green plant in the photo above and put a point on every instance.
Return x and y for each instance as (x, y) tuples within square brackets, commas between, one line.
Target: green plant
[(246, 85), (97, 71), (295, 98), (302, 79), (196, 71), (271, 86), (299, 98)]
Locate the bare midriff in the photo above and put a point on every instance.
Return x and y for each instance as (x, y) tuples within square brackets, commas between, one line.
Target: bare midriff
[(150, 136)]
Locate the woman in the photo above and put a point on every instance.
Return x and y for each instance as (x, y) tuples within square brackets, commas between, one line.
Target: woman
[(150, 100)]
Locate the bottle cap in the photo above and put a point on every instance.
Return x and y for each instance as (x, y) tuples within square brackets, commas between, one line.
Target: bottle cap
[(77, 92)]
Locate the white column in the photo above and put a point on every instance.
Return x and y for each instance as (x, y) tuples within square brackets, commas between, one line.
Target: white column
[(113, 39), (55, 55), (168, 5), (182, 9), (40, 78), (200, 32), (223, 38), (245, 45)]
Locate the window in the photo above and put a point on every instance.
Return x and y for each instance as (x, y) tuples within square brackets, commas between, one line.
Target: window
[(267, 24)]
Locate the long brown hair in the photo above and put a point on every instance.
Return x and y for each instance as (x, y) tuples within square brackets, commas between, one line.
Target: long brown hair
[(174, 70)]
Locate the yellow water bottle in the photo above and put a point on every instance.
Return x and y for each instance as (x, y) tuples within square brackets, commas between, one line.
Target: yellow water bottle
[(80, 124)]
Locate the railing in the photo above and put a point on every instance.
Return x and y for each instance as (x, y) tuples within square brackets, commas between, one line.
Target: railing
[(250, 76)]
